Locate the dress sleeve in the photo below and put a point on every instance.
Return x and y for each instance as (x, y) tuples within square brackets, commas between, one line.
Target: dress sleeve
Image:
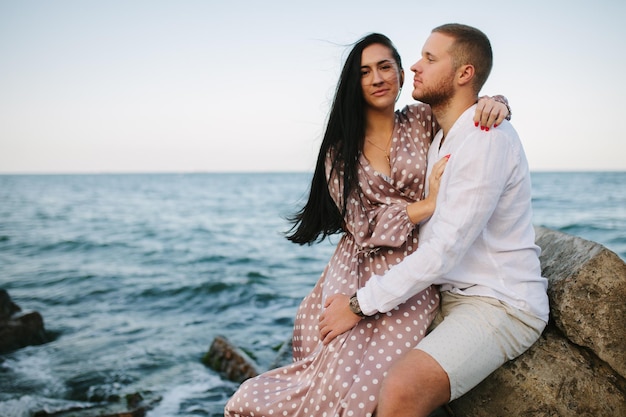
[(375, 217), (380, 225)]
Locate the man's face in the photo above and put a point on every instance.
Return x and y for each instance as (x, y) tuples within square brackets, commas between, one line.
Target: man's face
[(433, 82)]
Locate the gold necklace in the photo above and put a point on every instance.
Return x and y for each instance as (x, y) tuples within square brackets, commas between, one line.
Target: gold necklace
[(385, 151)]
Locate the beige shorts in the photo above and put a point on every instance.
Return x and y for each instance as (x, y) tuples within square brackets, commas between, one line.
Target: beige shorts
[(473, 336)]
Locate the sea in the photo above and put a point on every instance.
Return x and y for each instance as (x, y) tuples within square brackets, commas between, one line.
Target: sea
[(135, 275)]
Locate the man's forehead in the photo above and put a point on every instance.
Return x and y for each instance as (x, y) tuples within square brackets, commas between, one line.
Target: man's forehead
[(437, 44)]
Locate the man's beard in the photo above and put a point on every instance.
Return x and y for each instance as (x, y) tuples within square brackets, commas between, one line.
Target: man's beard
[(439, 95)]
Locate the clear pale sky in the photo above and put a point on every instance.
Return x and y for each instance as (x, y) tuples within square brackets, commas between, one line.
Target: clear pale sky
[(205, 86)]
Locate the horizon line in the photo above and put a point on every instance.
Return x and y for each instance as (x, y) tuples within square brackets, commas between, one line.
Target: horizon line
[(43, 173)]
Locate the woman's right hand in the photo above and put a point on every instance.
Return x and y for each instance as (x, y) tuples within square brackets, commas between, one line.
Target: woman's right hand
[(434, 180), (423, 209)]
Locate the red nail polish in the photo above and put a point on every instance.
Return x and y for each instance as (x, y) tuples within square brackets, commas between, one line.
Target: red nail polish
[(486, 129), (495, 125), (476, 124), (482, 128), (447, 156)]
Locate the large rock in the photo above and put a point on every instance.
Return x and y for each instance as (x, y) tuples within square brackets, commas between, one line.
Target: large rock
[(553, 378), (587, 294), (18, 329)]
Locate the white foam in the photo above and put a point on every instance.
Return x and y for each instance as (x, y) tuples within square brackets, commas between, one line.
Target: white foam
[(172, 399), (34, 367), (27, 406)]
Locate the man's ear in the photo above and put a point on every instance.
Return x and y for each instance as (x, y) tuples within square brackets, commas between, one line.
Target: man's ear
[(465, 74)]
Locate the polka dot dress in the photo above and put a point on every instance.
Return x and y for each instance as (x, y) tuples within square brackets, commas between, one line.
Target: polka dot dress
[(343, 378)]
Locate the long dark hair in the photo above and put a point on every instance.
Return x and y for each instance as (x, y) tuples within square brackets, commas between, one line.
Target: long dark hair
[(343, 140)]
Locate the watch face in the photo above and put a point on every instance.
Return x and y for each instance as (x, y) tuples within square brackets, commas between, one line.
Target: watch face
[(354, 305)]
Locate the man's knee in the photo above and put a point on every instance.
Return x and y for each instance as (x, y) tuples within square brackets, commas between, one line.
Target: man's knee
[(395, 388), (415, 378)]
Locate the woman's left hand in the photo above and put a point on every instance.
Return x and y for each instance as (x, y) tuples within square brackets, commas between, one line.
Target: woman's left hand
[(490, 112), (337, 317)]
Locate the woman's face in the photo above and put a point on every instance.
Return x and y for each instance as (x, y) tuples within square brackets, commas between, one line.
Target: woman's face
[(380, 77)]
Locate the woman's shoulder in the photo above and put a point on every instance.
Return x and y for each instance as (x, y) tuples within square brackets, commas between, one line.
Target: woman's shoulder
[(418, 121), (417, 109)]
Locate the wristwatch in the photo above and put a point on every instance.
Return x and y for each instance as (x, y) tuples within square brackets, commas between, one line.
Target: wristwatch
[(355, 307)]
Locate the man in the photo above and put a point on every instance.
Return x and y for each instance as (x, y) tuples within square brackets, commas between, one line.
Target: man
[(478, 245)]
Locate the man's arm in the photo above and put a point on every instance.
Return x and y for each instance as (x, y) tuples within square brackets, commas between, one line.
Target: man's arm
[(472, 185), (469, 192)]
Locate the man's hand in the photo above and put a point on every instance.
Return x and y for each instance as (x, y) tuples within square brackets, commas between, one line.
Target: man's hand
[(337, 317)]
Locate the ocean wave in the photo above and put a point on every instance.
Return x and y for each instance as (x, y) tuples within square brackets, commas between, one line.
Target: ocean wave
[(32, 405)]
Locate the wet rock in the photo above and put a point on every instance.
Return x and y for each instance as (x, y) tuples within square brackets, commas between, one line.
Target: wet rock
[(228, 360), (18, 329), (7, 306)]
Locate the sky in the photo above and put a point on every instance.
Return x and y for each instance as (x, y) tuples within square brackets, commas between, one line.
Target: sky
[(245, 86)]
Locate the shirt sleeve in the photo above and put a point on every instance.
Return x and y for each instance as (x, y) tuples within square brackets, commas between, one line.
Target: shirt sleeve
[(471, 186)]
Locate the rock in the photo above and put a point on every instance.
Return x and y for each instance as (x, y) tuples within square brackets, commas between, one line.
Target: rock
[(231, 362), (7, 306), (553, 378), (18, 329), (587, 294)]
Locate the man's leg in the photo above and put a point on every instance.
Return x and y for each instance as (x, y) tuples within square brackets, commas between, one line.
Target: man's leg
[(414, 387), (472, 337)]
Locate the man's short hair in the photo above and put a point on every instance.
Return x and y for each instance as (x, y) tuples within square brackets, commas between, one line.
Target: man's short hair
[(471, 46)]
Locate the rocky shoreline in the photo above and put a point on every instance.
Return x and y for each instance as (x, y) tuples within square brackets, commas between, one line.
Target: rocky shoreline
[(577, 368)]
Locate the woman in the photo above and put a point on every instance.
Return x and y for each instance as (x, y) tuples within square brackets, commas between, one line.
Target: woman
[(369, 185)]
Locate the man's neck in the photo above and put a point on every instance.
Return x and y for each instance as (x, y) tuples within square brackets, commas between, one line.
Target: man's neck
[(448, 113)]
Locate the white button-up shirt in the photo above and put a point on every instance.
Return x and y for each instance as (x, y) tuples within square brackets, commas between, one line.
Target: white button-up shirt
[(480, 240)]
